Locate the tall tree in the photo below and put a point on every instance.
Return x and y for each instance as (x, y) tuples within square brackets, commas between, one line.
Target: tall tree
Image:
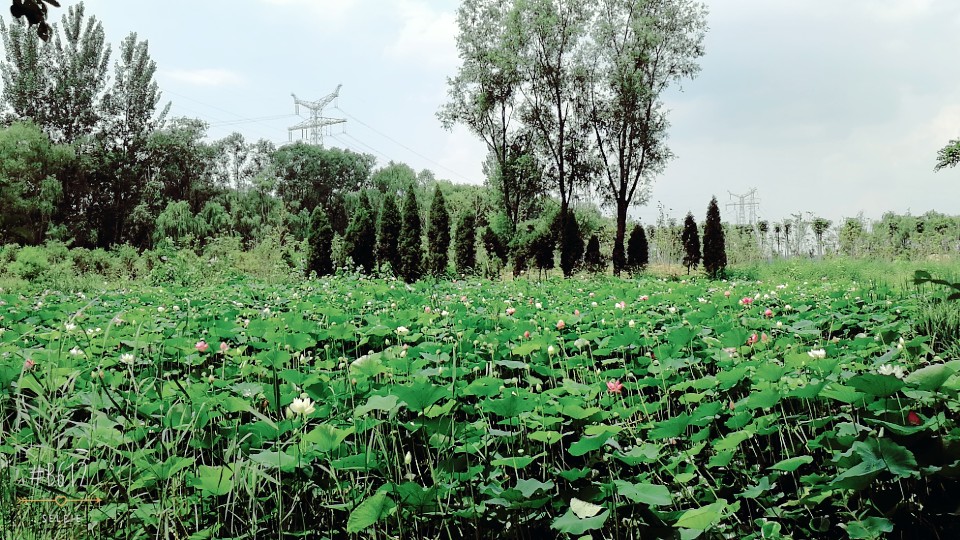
[(714, 248), (820, 227), (309, 175), (361, 236), (465, 245), (638, 49), (691, 243), (571, 250), (319, 244), (438, 235), (638, 255), (388, 234), (593, 257), (411, 243)]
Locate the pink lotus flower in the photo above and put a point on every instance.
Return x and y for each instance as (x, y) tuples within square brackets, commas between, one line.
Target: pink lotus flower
[(752, 339), (576, 312), (914, 419), (28, 364), (526, 334), (561, 325), (726, 293), (426, 309), (764, 337), (768, 313), (224, 347), (644, 298), (622, 305), (614, 387), (202, 346), (510, 311), (746, 301)]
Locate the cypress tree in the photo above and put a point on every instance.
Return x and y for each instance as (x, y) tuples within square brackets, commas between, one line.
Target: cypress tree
[(495, 246), (714, 250), (542, 248), (388, 234), (465, 245), (571, 249), (320, 242), (411, 247), (637, 249), (691, 243), (361, 235), (593, 257), (438, 235)]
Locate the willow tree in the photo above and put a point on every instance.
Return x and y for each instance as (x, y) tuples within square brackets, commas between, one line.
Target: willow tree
[(638, 49)]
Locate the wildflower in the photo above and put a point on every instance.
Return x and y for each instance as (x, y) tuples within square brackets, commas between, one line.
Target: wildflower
[(632, 323), (817, 354), (914, 419), (127, 358), (201, 346), (402, 331), (614, 387), (301, 406), (511, 311), (224, 347), (887, 369), (551, 350), (746, 301), (28, 364), (561, 325), (768, 313)]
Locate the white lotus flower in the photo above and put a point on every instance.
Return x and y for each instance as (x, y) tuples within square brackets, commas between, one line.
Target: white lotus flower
[(402, 330), (888, 369), (301, 406), (817, 354), (127, 358)]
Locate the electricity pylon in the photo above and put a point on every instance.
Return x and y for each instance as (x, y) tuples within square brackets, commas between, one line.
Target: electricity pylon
[(316, 122), (745, 207)]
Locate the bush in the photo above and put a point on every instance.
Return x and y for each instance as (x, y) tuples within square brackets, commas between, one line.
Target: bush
[(31, 264), (638, 255)]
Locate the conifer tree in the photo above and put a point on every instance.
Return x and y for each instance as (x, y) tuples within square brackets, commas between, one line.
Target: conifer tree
[(465, 245), (361, 235), (593, 256), (438, 235), (714, 250), (388, 234), (411, 246), (691, 243), (320, 242), (637, 250), (571, 249)]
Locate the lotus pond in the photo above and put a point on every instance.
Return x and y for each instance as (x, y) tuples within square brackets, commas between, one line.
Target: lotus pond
[(599, 408)]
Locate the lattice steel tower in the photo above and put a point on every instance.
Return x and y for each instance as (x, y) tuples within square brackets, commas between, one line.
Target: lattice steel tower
[(316, 121), (745, 207)]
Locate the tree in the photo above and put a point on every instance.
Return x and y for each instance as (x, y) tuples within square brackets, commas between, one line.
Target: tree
[(309, 175), (637, 250), (691, 243), (714, 250), (465, 245), (388, 233), (639, 49), (319, 244), (820, 226), (361, 236), (57, 86), (571, 251), (593, 256), (411, 244), (438, 235)]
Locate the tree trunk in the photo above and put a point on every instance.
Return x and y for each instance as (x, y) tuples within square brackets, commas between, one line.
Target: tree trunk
[(619, 258)]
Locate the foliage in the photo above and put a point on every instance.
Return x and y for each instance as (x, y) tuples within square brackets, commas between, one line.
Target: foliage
[(465, 244), (319, 244), (411, 243), (691, 243), (571, 244), (638, 255), (310, 175), (388, 233), (176, 223), (714, 248), (593, 257), (949, 155), (35, 12), (438, 235)]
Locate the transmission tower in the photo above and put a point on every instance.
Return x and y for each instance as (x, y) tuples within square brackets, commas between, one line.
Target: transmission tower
[(316, 121), (745, 206)]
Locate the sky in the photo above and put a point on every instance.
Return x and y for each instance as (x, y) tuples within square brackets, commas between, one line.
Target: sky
[(826, 108)]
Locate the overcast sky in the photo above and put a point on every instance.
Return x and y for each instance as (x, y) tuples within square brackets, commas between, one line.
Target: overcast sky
[(824, 106)]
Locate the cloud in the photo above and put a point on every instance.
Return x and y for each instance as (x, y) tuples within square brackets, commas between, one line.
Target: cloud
[(204, 76), (427, 35)]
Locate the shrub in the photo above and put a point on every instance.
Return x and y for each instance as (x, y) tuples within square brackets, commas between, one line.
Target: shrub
[(637, 250), (31, 264)]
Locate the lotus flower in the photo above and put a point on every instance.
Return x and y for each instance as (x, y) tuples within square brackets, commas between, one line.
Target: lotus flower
[(614, 387)]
